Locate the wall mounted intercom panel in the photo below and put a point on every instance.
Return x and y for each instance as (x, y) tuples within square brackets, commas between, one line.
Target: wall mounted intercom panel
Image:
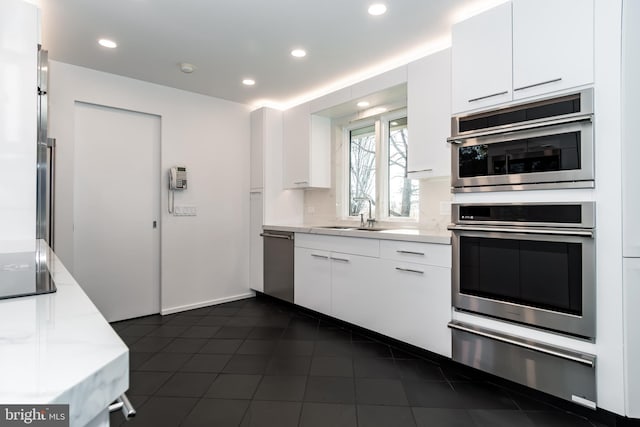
[(177, 182), (178, 178)]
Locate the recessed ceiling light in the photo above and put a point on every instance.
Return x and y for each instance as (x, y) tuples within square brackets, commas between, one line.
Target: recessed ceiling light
[(298, 53), (394, 123), (362, 104), (187, 68), (377, 9), (108, 43), (248, 82)]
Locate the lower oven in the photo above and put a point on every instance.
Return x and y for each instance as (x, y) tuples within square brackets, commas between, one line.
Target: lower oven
[(531, 263)]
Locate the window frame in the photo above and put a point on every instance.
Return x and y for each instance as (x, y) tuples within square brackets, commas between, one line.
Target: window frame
[(380, 210)]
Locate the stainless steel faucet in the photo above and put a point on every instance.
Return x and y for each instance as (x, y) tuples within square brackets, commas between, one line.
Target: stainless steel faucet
[(370, 220)]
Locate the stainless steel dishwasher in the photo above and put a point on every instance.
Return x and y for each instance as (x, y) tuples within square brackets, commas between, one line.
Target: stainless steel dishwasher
[(278, 264)]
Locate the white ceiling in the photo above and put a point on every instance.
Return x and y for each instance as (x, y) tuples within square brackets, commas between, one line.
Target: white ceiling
[(228, 40)]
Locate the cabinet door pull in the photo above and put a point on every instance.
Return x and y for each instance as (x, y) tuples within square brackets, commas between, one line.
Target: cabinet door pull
[(300, 182), (489, 96), (340, 259), (410, 252), (538, 84), (320, 256), (421, 170), (409, 270)]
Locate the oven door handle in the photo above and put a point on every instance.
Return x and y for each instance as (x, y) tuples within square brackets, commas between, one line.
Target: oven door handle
[(526, 230), (585, 359), (574, 118)]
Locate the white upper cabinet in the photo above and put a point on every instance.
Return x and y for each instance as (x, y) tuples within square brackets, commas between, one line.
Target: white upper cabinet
[(257, 154), (521, 49), (428, 106), (481, 60), (19, 29), (552, 45), (306, 149)]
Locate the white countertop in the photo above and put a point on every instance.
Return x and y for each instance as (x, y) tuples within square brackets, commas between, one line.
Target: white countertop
[(442, 237), (57, 348)]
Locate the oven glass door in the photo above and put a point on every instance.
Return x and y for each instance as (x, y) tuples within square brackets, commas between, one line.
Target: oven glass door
[(539, 274), (545, 280), (550, 154)]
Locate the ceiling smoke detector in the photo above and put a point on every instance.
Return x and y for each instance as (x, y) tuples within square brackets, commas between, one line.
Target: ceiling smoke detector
[(187, 68)]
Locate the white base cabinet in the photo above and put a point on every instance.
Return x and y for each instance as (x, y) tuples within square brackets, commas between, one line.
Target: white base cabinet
[(399, 289), (357, 291), (631, 280), (418, 301), (312, 278)]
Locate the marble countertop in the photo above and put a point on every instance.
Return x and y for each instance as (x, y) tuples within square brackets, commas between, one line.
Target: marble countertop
[(57, 348), (442, 237)]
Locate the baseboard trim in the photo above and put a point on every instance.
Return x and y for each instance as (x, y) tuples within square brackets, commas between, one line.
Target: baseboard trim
[(186, 307)]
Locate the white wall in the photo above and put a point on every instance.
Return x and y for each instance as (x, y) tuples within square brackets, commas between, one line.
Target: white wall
[(204, 259), (18, 52)]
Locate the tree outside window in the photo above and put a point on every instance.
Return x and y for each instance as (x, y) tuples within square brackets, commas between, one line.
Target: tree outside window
[(378, 155)]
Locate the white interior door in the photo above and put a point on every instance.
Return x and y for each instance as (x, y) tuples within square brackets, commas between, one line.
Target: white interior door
[(116, 201)]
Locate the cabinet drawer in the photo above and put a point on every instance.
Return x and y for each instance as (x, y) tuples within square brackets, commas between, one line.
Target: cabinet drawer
[(347, 245), (421, 253)]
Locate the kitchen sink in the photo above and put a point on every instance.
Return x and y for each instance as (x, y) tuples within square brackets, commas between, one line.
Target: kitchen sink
[(350, 228), (338, 227)]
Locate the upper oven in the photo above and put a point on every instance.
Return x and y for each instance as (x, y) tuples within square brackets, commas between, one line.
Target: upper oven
[(528, 263), (544, 144)]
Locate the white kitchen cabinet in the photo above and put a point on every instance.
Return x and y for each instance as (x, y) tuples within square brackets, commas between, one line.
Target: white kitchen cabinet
[(255, 241), (481, 60), (631, 281), (306, 149), (312, 279), (428, 107), (256, 177), (356, 291), (18, 99), (521, 49), (328, 270), (416, 252), (630, 145), (417, 304), (396, 288), (553, 45)]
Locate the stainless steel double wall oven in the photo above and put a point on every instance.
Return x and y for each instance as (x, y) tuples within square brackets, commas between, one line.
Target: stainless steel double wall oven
[(530, 263)]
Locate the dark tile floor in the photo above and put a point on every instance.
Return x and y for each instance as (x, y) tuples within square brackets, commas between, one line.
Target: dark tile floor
[(258, 362)]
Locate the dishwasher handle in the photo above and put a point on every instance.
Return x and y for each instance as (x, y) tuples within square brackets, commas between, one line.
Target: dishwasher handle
[(277, 236)]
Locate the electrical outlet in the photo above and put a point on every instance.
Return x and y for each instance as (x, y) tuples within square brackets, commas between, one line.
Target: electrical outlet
[(185, 211)]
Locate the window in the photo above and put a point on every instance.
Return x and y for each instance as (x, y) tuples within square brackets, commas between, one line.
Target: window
[(362, 169), (377, 163)]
